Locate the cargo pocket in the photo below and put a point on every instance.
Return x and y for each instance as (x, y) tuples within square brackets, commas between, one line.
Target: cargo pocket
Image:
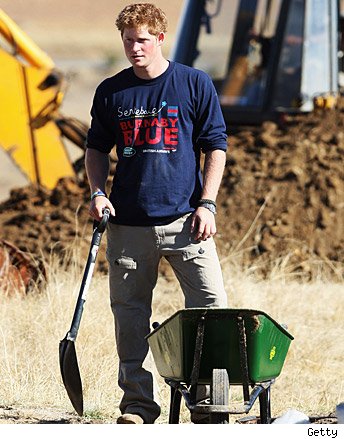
[(188, 255), (126, 263), (199, 250)]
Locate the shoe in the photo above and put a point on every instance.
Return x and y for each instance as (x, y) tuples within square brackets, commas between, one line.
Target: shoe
[(130, 418)]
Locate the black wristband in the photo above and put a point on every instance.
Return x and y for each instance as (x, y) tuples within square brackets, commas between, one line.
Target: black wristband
[(206, 201)]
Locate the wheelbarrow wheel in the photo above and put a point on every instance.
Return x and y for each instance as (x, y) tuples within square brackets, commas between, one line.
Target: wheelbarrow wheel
[(219, 390)]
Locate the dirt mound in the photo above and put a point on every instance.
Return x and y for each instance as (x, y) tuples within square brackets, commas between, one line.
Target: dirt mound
[(282, 197), (43, 222), (283, 192)]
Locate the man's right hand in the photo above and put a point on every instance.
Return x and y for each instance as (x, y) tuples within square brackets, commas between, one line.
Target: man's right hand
[(98, 204)]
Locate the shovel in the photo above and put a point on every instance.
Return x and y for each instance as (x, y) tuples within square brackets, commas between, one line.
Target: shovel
[(68, 360)]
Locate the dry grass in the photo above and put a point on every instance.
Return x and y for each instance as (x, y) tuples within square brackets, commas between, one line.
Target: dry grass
[(312, 379)]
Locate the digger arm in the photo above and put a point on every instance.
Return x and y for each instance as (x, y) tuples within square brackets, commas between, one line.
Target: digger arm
[(30, 95), (23, 44)]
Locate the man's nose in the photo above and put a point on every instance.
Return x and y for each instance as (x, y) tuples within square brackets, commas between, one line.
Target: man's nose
[(136, 46)]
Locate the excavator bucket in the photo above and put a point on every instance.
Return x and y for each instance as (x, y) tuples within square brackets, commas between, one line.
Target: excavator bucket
[(30, 95)]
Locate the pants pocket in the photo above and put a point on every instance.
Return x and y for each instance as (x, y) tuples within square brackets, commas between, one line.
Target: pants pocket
[(199, 250), (125, 262)]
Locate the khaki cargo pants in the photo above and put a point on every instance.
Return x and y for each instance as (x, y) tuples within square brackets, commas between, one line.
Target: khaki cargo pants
[(133, 254)]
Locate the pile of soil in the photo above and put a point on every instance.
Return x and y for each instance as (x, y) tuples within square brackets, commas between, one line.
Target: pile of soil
[(282, 196), (283, 192), (46, 222)]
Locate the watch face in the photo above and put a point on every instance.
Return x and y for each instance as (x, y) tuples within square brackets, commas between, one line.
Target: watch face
[(210, 207)]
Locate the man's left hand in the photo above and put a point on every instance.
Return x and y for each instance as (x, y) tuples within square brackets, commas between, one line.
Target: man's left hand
[(203, 224)]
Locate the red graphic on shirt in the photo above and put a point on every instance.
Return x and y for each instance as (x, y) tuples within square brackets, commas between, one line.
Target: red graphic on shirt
[(151, 131)]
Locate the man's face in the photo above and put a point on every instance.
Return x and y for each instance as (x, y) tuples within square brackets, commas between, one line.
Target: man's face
[(141, 47)]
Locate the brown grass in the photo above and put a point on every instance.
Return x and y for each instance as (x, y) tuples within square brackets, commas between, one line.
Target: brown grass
[(312, 379)]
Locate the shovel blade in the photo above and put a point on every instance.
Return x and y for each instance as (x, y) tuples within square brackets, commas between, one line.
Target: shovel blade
[(70, 374)]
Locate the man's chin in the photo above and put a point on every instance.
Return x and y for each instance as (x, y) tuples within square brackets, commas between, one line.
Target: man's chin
[(137, 62)]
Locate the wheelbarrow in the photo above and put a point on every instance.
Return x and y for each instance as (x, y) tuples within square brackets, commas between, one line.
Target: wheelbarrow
[(219, 348)]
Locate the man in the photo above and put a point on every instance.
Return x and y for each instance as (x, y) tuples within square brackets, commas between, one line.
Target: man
[(160, 115)]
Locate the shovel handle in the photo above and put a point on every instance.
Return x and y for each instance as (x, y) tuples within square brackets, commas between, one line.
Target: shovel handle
[(88, 272)]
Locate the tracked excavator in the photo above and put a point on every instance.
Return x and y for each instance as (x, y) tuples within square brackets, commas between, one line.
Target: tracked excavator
[(267, 58)]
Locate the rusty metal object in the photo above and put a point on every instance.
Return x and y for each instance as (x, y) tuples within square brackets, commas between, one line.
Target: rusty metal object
[(18, 272)]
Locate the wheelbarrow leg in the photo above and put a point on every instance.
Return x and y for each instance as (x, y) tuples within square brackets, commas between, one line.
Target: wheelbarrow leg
[(176, 397), (265, 406)]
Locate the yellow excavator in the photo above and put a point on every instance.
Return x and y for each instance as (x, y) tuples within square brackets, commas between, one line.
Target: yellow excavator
[(31, 92), (32, 132)]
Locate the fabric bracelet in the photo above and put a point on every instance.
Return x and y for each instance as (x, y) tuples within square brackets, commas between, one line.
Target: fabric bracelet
[(206, 201)]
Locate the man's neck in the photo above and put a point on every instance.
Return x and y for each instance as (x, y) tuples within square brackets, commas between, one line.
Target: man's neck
[(152, 71)]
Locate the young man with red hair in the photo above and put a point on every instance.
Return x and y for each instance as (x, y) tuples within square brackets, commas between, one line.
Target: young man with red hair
[(161, 116)]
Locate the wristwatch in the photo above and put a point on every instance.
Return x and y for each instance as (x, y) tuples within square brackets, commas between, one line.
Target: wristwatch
[(208, 204)]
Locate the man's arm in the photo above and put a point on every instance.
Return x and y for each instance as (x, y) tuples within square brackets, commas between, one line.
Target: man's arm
[(203, 221), (97, 170)]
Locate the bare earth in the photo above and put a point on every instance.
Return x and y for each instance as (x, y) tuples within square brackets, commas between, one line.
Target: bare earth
[(15, 415)]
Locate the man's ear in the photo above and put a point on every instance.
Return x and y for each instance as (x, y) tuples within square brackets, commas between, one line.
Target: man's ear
[(161, 38)]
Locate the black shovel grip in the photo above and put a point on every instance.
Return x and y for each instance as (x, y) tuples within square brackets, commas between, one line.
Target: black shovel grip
[(99, 227), (102, 224)]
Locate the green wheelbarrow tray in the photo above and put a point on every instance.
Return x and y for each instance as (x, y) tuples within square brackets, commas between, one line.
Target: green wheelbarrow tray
[(249, 344)]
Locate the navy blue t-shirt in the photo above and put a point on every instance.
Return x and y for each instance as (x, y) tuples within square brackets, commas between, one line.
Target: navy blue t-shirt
[(159, 128)]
